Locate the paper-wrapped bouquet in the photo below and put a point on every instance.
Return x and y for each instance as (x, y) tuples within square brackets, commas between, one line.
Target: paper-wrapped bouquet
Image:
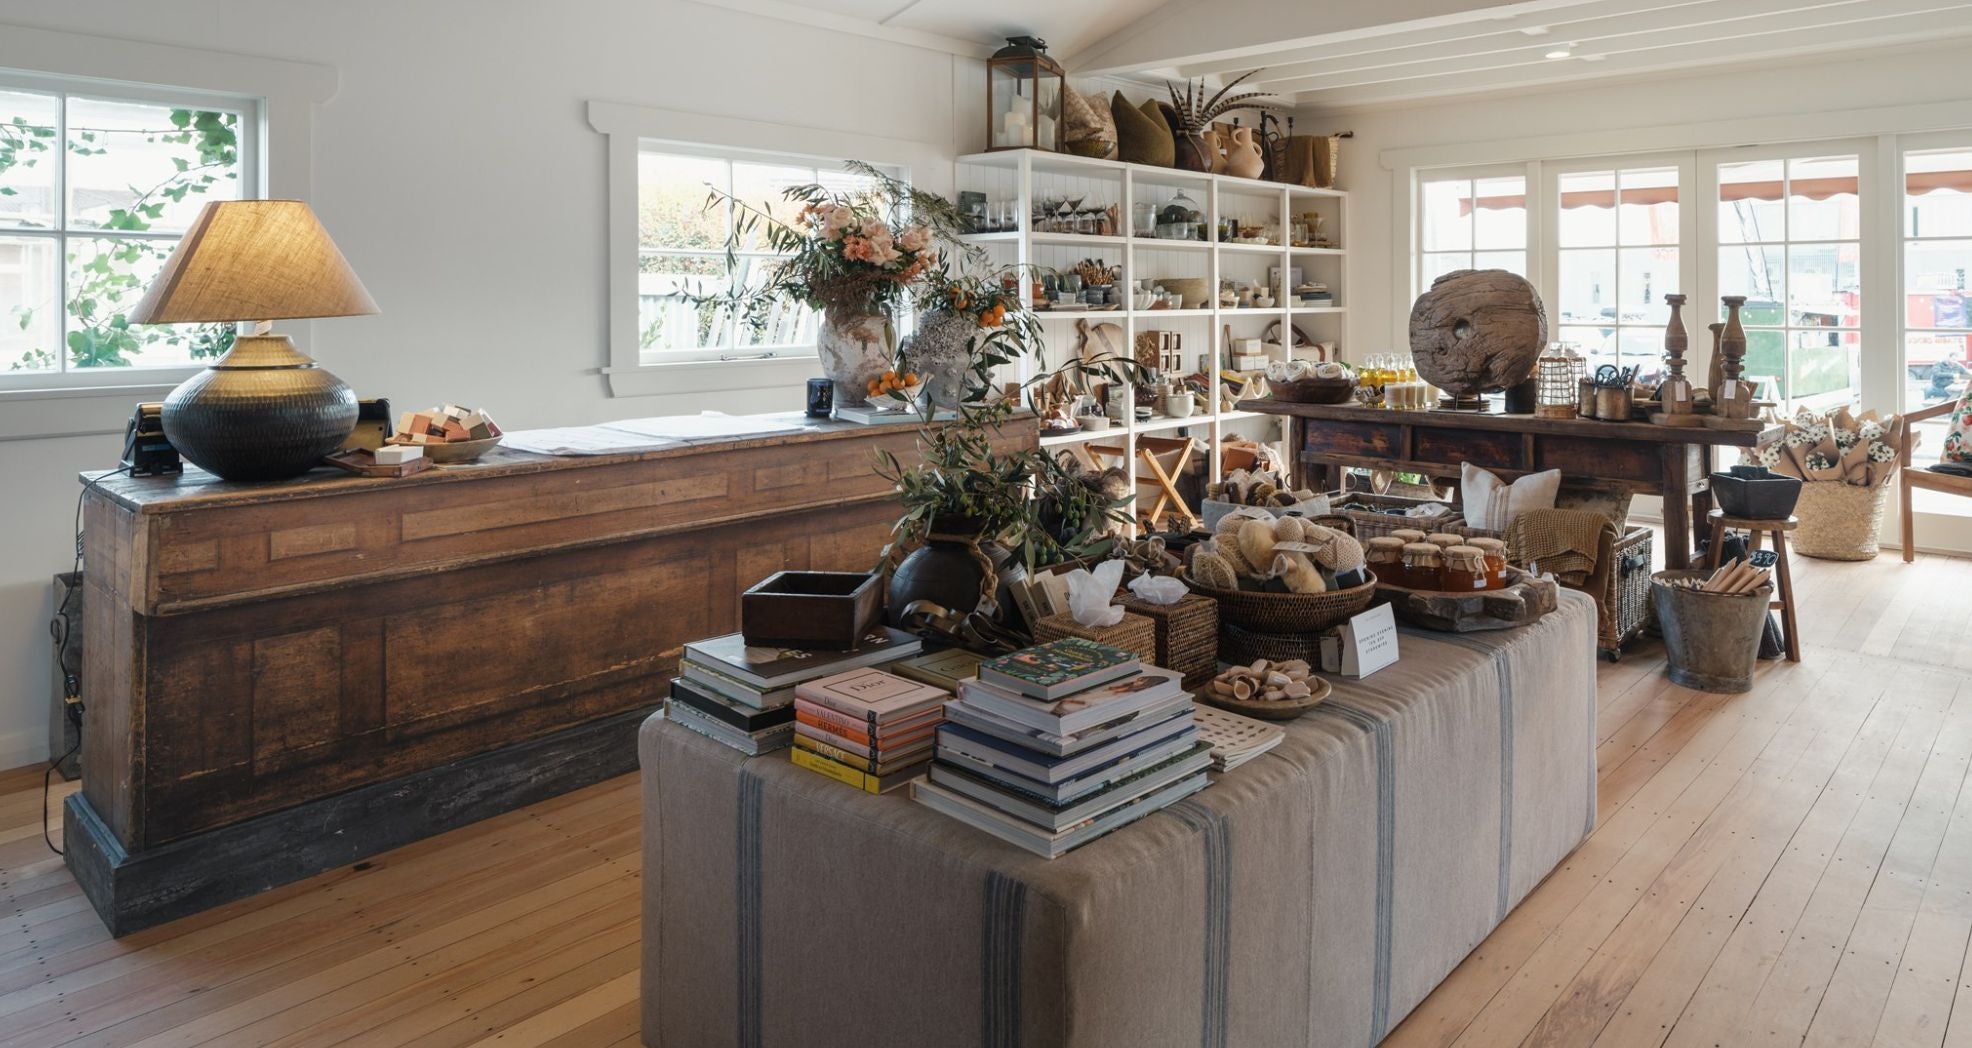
[(1839, 445)]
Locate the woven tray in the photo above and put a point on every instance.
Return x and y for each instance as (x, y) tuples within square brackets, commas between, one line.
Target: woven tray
[(1136, 633), (1187, 634)]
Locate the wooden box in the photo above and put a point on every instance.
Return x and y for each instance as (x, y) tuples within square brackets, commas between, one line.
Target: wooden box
[(1186, 633), (821, 610), (1135, 633)]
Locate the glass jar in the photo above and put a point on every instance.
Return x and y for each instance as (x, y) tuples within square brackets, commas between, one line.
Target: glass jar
[(1495, 552), (1143, 219), (1445, 539), (1424, 566), (1465, 568), (1407, 535), (1385, 557)]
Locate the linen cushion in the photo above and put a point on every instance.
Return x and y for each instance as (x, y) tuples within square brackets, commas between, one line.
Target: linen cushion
[(1492, 503), (1142, 138)]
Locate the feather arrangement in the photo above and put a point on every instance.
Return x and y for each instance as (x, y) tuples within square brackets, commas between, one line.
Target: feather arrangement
[(1196, 110)]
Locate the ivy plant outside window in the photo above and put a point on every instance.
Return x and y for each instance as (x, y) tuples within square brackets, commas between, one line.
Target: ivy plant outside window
[(95, 192)]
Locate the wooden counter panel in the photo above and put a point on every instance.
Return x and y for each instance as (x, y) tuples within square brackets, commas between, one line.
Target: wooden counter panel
[(323, 692), (1637, 466), (253, 551), (1487, 448), (1365, 438)]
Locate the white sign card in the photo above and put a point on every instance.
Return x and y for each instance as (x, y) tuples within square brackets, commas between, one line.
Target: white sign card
[(1366, 643)]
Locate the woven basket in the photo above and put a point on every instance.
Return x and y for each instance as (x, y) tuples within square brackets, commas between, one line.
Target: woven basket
[(1840, 521), (1357, 507), (1289, 612), (1187, 634), (1314, 390), (1242, 646), (1135, 633)]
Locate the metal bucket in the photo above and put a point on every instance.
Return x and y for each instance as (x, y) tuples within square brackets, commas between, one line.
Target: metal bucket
[(1711, 640)]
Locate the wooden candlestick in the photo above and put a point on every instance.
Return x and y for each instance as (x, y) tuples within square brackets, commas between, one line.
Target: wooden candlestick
[(1735, 396), (1716, 374), (1675, 392)]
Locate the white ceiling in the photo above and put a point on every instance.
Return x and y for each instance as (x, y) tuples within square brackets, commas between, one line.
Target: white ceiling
[(1368, 52)]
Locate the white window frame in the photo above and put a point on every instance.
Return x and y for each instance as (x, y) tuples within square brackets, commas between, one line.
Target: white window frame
[(251, 186), (286, 94), (1549, 248), (1529, 173), (633, 129)]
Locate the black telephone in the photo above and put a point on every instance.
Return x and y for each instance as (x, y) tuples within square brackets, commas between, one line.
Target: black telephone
[(146, 450)]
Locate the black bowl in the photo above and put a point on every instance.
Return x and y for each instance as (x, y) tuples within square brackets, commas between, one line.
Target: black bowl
[(1755, 493)]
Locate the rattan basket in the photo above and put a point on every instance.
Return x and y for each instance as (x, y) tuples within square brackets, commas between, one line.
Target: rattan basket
[(1840, 521), (1135, 633), (1187, 634), (1241, 646), (1355, 507), (1289, 612)]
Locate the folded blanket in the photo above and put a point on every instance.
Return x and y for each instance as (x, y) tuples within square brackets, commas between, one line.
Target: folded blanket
[(1564, 542)]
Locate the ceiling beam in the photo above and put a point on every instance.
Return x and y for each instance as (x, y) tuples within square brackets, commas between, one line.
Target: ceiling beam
[(1190, 31), (1923, 28)]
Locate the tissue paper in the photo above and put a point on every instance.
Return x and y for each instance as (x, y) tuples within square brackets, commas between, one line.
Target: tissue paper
[(1089, 594), (1158, 589)]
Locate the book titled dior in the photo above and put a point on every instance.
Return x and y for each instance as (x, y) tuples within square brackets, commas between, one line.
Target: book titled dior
[(872, 695)]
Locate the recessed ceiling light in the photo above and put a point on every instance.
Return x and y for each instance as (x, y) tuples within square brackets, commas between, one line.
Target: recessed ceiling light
[(1562, 53), (1593, 58)]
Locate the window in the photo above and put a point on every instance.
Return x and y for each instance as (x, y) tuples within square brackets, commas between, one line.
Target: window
[(1616, 257), (96, 187), (682, 250), (1470, 222), (1937, 298), (1789, 239)]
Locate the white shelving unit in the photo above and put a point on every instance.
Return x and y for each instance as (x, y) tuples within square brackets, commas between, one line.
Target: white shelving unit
[(1019, 176)]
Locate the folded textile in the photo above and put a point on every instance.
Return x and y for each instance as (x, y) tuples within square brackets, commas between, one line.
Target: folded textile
[(1563, 542)]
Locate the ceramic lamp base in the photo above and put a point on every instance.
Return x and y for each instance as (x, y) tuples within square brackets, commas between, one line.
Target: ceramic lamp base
[(264, 411)]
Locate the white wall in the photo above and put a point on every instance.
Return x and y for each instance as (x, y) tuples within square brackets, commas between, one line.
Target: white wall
[(456, 168)]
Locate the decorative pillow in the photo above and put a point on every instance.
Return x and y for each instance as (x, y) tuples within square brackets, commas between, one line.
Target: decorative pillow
[(1491, 503), (1958, 439), (1089, 126), (1141, 138)]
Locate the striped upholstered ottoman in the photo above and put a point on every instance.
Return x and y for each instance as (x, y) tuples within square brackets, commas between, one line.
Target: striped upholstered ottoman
[(1309, 898)]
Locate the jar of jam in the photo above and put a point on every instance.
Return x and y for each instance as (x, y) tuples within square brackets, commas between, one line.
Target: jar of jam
[(1465, 568), (1495, 551), (1445, 539), (1424, 566), (1407, 535), (1385, 557)]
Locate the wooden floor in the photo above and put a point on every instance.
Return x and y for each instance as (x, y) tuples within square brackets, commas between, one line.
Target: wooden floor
[(1785, 866)]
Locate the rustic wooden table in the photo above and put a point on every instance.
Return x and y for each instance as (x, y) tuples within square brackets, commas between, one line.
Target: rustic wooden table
[(1672, 462)]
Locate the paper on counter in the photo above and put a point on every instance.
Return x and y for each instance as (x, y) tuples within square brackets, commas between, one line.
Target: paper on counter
[(584, 440), (711, 425)]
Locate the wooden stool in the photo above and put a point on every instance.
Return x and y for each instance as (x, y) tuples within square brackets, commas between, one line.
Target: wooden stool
[(1783, 583)]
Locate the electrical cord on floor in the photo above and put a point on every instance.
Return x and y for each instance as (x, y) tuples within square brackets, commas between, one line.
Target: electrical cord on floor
[(71, 678)]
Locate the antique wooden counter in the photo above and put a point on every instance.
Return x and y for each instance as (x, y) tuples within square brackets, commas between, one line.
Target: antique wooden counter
[(1672, 462), (287, 677)]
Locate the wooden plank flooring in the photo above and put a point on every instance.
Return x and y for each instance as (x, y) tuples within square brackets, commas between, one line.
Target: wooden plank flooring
[(1788, 866)]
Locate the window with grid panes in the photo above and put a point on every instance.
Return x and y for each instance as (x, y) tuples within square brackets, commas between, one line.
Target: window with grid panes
[(1616, 257), (1466, 222)]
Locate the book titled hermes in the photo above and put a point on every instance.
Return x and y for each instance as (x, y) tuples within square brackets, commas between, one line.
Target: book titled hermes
[(1059, 667), (872, 695)]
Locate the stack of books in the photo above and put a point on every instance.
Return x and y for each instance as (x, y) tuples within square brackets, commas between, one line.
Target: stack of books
[(870, 729), (744, 696), (1056, 745)]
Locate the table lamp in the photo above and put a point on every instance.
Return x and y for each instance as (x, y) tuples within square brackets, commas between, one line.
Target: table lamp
[(264, 411)]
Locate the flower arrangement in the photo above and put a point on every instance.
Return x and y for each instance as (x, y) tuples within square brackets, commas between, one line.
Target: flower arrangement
[(1838, 446)]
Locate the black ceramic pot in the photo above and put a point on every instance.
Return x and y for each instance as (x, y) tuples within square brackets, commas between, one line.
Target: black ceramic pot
[(1755, 493), (949, 570), (263, 411)]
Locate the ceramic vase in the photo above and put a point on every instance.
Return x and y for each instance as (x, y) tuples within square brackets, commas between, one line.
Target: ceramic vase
[(855, 348), (1193, 153), (1214, 151), (1243, 159), (949, 571), (941, 353)]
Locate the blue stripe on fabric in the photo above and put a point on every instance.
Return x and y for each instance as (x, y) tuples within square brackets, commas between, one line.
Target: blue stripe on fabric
[(1503, 671), (1378, 728), (749, 886), (1216, 993), (999, 962)]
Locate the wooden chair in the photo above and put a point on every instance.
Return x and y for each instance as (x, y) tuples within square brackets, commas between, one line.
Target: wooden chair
[(1922, 478)]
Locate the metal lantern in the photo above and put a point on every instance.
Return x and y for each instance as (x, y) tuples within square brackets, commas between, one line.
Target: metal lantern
[(1023, 96), (1559, 372)]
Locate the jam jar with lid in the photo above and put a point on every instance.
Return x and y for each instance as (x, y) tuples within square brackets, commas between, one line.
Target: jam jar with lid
[(1423, 565), (1407, 535), (1385, 557), (1465, 568), (1495, 551), (1445, 539)]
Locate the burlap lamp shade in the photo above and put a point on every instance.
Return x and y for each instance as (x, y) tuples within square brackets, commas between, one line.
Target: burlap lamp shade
[(263, 411)]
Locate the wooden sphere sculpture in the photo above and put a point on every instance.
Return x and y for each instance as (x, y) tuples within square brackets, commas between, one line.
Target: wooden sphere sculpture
[(1477, 330)]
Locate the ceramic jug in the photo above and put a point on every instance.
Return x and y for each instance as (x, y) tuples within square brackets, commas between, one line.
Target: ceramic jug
[(1214, 150), (1243, 158)]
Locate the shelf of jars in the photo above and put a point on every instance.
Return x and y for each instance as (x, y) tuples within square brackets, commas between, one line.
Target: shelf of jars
[(1229, 266)]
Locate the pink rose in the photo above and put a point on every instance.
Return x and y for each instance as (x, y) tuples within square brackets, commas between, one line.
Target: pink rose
[(858, 249), (916, 238)]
